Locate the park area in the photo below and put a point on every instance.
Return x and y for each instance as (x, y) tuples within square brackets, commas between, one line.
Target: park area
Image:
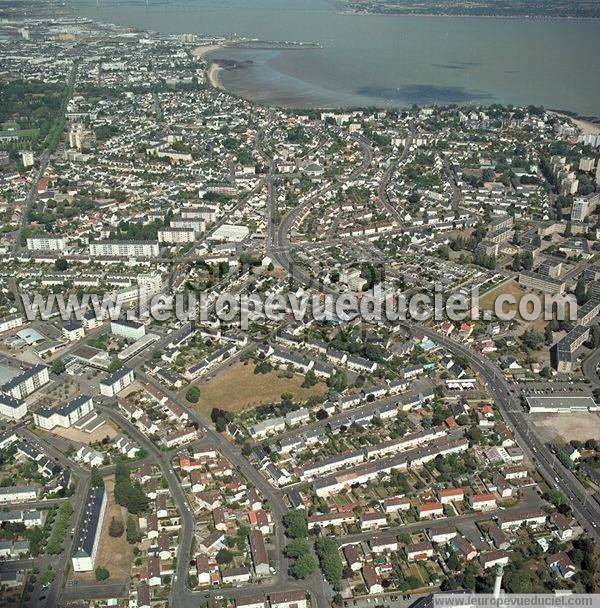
[(238, 388)]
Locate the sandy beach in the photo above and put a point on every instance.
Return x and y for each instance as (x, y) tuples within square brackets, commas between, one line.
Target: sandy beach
[(201, 51), (585, 126), (213, 76)]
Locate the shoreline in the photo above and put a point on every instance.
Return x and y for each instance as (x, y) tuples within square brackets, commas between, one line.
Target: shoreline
[(200, 51), (587, 127), (212, 74), (469, 16)]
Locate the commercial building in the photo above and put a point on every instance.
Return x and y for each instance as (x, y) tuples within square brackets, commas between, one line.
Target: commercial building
[(86, 544), (561, 404)]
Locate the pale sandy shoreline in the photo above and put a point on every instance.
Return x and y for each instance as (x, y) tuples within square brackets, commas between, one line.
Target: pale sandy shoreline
[(212, 72), (213, 76), (201, 51), (585, 126)]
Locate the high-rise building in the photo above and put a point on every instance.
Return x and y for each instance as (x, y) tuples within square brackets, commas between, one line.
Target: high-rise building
[(128, 249), (580, 209), (46, 242), (27, 158)]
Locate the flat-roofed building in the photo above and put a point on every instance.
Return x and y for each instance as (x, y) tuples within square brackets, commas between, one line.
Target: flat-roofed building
[(46, 242), (176, 236), (588, 312), (561, 404), (132, 330), (125, 249), (564, 350)]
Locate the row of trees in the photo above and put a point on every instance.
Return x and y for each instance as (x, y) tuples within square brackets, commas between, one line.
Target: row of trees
[(299, 549), (129, 493)]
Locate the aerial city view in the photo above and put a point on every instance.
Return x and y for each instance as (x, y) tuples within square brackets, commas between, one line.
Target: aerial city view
[(299, 303)]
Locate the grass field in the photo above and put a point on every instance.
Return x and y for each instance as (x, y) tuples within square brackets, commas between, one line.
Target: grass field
[(486, 302), (237, 388)]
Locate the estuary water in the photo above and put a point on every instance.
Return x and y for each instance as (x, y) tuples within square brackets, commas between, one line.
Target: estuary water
[(384, 60)]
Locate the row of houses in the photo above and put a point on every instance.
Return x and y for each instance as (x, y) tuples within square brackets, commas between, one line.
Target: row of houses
[(370, 471)]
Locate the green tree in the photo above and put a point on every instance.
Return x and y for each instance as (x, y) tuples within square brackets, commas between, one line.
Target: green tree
[(580, 290), (115, 364), (116, 528), (595, 336), (47, 576), (96, 479), (518, 581), (102, 573), (61, 265), (224, 556), (133, 533), (295, 523), (128, 493), (57, 367), (193, 394), (330, 561), (310, 379), (303, 566)]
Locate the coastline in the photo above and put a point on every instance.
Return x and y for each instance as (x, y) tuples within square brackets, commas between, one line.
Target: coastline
[(585, 126), (212, 74), (200, 51), (470, 16)]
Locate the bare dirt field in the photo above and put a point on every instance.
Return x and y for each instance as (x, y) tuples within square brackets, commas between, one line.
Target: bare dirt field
[(565, 427), (114, 554), (105, 430), (238, 387)]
